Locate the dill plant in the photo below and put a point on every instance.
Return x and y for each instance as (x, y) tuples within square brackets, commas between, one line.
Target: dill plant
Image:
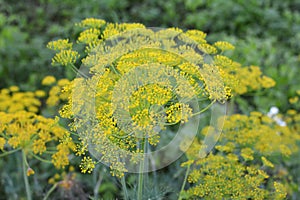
[(134, 86)]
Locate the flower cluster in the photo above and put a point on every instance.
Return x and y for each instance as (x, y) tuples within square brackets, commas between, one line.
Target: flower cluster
[(13, 100), (35, 135), (57, 92), (248, 152), (137, 82)]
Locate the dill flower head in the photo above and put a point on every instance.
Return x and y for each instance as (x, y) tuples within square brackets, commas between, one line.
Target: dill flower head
[(58, 92), (247, 154), (12, 100), (34, 134), (61, 44), (136, 84), (48, 80), (65, 57)]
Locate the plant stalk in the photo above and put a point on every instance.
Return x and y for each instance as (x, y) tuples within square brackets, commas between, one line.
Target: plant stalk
[(124, 188), (184, 181), (50, 191), (141, 174), (25, 165)]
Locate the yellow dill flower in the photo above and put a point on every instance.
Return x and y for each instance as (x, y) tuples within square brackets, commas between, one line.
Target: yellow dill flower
[(207, 48), (223, 46), (33, 109), (91, 22), (60, 158), (267, 82), (114, 29), (155, 104), (87, 165), (291, 112), (178, 112), (71, 168), (14, 88), (228, 147), (35, 134), (63, 82), (4, 91), (40, 93), (39, 146), (89, 36), (65, 57), (57, 176), (142, 118), (285, 150), (52, 101), (17, 101), (196, 35), (220, 177), (187, 163), (48, 80), (30, 171), (214, 86), (61, 44), (2, 141), (293, 100), (280, 191), (267, 162), (223, 61), (250, 78), (59, 92), (247, 154)]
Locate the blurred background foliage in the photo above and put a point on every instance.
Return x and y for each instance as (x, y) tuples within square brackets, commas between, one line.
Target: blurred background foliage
[(266, 34)]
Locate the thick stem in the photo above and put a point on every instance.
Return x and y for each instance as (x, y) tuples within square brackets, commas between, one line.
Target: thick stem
[(140, 184), (25, 166), (141, 173)]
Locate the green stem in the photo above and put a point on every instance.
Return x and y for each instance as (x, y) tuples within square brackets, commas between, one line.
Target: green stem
[(140, 184), (124, 188), (205, 109), (50, 191), (184, 181), (141, 175), (9, 152), (25, 165), (231, 106), (41, 159), (73, 67)]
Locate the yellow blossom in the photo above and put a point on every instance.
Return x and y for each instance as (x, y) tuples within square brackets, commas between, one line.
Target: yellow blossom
[(92, 22), (61, 44), (87, 165), (30, 171), (14, 88), (222, 45), (2, 143), (280, 191), (48, 80), (267, 162), (65, 57)]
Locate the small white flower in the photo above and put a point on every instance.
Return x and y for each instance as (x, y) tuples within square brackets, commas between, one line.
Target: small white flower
[(273, 111)]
